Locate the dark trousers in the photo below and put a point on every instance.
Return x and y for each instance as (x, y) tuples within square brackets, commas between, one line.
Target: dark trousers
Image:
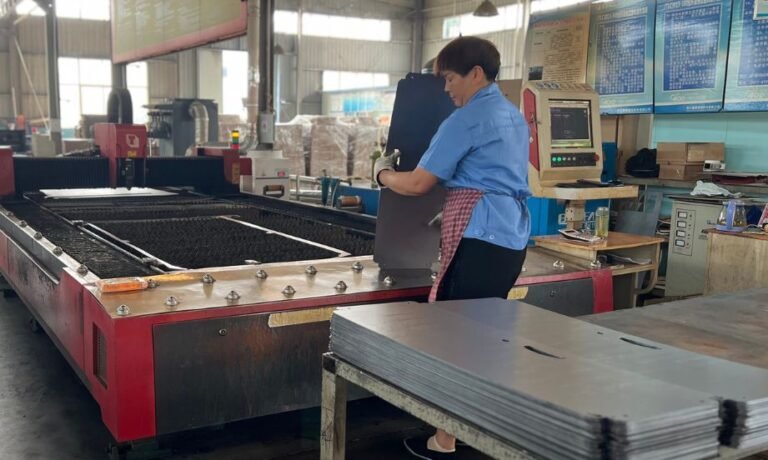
[(481, 270)]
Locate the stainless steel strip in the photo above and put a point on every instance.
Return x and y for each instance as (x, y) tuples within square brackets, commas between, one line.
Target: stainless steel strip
[(285, 235)]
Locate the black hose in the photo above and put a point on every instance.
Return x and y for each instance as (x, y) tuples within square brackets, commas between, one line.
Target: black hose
[(120, 107)]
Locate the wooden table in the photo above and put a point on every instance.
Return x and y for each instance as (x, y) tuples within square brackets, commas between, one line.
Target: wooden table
[(736, 261), (626, 277)]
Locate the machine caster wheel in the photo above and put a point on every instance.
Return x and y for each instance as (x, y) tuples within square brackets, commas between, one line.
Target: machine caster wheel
[(34, 326)]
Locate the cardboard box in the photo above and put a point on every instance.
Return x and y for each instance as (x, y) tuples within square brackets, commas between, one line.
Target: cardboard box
[(689, 152), (681, 171)]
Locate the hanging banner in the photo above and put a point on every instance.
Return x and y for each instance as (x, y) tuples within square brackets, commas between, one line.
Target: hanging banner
[(691, 50), (557, 45), (747, 83), (620, 64)]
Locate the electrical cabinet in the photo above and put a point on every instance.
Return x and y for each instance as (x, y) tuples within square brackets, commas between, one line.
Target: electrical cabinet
[(687, 258)]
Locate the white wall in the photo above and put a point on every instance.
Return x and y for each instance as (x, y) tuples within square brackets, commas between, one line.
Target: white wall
[(77, 38), (511, 43), (178, 74)]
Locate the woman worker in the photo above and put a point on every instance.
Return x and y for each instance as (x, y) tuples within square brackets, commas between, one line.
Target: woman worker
[(480, 155)]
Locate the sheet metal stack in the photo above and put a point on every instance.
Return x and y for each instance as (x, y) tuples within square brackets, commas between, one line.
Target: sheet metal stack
[(556, 386)]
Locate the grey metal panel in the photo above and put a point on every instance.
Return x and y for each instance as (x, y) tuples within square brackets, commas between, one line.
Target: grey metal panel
[(85, 39), (163, 78), (213, 371), (5, 77), (570, 298), (31, 35), (37, 72), (687, 264), (404, 240), (355, 55), (6, 106)]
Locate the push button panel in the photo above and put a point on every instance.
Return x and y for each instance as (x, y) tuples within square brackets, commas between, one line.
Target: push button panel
[(684, 221)]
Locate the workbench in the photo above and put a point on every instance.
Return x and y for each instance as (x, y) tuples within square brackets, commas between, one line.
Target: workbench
[(727, 326), (626, 276), (337, 373), (736, 261)]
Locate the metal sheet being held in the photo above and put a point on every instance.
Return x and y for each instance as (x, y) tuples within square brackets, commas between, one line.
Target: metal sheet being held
[(404, 240), (476, 358)]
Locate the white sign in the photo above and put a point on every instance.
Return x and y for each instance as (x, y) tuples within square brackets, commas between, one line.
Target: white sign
[(761, 9)]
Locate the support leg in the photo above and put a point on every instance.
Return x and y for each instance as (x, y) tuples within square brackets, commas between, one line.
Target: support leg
[(333, 419)]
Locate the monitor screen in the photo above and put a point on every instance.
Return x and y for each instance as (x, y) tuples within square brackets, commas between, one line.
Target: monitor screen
[(571, 124)]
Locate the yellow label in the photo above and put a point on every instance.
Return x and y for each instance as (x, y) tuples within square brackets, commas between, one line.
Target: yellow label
[(293, 318), (518, 293), (133, 154), (236, 173)]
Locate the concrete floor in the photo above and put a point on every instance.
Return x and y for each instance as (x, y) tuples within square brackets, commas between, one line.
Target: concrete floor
[(46, 413)]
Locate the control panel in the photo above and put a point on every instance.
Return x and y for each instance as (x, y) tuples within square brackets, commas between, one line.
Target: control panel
[(565, 160), (683, 231)]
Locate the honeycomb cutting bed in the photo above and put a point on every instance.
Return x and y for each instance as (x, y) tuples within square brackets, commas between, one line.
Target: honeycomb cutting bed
[(139, 236)]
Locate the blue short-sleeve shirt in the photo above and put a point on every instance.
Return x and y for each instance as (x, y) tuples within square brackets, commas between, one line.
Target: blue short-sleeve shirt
[(484, 146)]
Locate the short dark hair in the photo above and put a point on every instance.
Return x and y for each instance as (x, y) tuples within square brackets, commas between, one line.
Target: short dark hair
[(464, 53)]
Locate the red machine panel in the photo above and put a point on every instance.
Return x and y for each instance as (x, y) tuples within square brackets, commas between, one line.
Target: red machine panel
[(7, 179), (232, 163), (120, 141)]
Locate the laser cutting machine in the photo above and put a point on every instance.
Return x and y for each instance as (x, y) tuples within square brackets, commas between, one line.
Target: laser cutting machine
[(182, 303)]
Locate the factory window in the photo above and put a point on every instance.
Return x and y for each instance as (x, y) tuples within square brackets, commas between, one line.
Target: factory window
[(538, 6), (510, 17), (323, 25), (335, 81), (137, 80), (286, 22), (83, 9), (234, 81), (29, 7), (84, 86)]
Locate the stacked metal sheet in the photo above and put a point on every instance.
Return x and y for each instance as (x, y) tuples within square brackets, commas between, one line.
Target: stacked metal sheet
[(486, 361), (741, 389)]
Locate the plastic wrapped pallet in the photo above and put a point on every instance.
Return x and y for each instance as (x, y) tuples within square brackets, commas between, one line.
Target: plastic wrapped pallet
[(290, 139), (363, 142), (329, 147)]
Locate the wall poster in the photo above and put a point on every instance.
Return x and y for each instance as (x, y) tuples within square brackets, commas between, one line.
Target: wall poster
[(620, 64), (691, 50), (557, 45)]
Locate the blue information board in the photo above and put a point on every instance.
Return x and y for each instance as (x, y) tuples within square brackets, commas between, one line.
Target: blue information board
[(620, 65), (747, 84), (691, 50)]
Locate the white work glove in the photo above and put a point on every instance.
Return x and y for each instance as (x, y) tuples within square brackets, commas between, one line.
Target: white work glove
[(437, 221), (385, 162)]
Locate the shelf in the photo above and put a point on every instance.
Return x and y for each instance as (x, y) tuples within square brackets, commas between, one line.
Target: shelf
[(761, 189)]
